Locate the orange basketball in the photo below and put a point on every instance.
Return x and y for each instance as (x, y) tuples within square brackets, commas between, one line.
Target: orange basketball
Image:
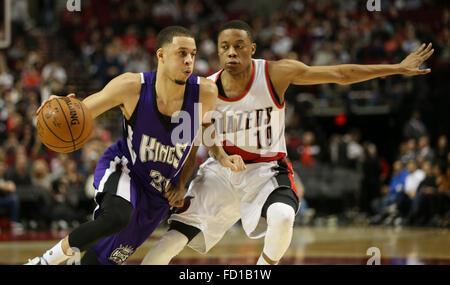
[(64, 124)]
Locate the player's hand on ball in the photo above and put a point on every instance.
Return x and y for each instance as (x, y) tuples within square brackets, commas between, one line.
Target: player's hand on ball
[(175, 195), (410, 65), (71, 95), (233, 162), (64, 123)]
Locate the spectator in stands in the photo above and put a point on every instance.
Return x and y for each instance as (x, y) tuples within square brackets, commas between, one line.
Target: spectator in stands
[(442, 151), (404, 199), (110, 66), (9, 200), (424, 204), (308, 150), (57, 165), (62, 212), (370, 185), (355, 151), (408, 151), (6, 77), (20, 174), (334, 143), (423, 148), (54, 71), (413, 180), (443, 181), (386, 205), (414, 128), (40, 176)]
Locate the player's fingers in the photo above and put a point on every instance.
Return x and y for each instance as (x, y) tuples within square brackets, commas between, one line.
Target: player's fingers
[(420, 49), (169, 195), (42, 106), (427, 55), (45, 102), (426, 50), (176, 202), (168, 187), (424, 71), (235, 165), (229, 164), (71, 95), (179, 203), (171, 201), (240, 165)]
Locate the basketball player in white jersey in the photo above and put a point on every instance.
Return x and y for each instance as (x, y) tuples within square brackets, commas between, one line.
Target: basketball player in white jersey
[(250, 122)]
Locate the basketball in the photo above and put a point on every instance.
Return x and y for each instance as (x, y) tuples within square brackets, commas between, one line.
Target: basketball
[(64, 124)]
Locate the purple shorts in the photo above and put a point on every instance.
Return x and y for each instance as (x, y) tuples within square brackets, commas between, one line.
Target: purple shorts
[(113, 176)]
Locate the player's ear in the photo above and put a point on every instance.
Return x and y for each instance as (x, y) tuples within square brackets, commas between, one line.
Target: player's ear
[(253, 48), (160, 54)]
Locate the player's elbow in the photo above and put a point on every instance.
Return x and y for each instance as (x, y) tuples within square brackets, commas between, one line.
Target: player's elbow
[(341, 77)]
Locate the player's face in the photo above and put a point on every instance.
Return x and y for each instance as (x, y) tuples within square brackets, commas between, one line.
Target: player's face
[(235, 50), (178, 58)]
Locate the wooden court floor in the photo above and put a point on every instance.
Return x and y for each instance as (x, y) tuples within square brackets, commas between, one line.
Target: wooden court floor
[(310, 245)]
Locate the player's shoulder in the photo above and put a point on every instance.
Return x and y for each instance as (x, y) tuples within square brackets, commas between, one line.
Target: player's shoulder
[(130, 79), (208, 89), (285, 64), (207, 85)]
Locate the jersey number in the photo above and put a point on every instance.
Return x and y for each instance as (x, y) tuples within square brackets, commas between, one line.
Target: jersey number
[(268, 134)]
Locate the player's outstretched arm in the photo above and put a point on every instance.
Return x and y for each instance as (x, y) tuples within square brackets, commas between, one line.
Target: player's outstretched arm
[(286, 72), (122, 91)]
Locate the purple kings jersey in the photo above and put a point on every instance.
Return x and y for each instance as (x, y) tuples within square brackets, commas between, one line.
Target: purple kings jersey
[(154, 146)]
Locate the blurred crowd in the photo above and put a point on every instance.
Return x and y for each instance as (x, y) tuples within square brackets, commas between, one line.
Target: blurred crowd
[(54, 51), (347, 175)]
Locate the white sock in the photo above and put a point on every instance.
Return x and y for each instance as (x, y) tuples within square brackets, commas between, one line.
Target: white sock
[(170, 245), (55, 255), (280, 222)]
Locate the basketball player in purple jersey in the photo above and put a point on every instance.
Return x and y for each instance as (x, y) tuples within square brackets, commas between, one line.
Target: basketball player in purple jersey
[(132, 176), (264, 195)]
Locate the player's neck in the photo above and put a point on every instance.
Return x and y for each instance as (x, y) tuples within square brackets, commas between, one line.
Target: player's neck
[(167, 90)]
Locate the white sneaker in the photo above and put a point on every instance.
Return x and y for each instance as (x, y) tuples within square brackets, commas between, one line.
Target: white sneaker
[(37, 261)]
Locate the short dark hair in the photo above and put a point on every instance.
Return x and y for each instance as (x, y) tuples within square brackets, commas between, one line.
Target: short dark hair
[(238, 25), (167, 34)]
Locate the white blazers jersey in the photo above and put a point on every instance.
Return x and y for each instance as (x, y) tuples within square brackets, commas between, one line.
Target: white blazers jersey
[(252, 124)]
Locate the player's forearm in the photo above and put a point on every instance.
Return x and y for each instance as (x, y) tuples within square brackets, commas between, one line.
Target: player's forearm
[(213, 143), (353, 73), (189, 166), (217, 151)]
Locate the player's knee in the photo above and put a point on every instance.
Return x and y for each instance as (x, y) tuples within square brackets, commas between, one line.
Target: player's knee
[(280, 215), (187, 230), (118, 215)]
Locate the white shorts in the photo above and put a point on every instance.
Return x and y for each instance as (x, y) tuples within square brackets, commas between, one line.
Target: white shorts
[(220, 197)]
